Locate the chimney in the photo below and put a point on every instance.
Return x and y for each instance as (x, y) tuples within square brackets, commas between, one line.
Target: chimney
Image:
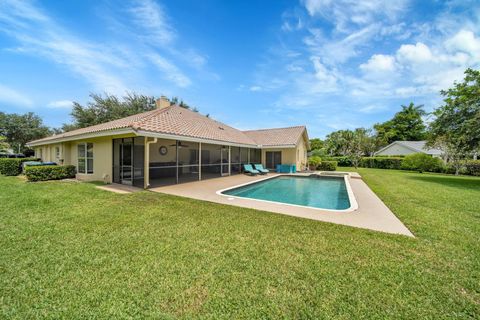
[(162, 102)]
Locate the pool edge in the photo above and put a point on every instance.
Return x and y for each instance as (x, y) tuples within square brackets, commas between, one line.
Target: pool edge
[(351, 196)]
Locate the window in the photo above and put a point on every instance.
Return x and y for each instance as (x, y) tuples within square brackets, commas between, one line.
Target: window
[(57, 152), (85, 158)]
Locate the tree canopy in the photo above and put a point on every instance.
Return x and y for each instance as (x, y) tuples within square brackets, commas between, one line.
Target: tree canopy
[(456, 126), (4, 146), (316, 144), (104, 108), (20, 129), (406, 125), (107, 107)]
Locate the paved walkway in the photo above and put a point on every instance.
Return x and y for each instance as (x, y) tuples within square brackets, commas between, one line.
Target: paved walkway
[(119, 188), (371, 214)]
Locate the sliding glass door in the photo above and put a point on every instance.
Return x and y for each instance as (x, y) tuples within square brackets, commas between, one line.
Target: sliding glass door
[(272, 159), (128, 161)]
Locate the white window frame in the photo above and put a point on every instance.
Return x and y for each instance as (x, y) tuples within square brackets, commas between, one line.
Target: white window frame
[(85, 158), (57, 152)]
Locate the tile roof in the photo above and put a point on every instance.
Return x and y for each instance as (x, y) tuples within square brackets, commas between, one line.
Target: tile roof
[(178, 121), (183, 122), (420, 146), (122, 123), (277, 136)]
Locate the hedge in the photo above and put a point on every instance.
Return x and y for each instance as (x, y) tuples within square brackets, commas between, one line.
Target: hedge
[(381, 162), (13, 166), (472, 167), (45, 173), (327, 166), (422, 162), (342, 161)]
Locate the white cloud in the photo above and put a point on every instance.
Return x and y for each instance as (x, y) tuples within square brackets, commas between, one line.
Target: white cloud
[(326, 79), (255, 88), (9, 95), (417, 53), (151, 17), (379, 63), (39, 35), (169, 70), (60, 104), (344, 13), (372, 108), (464, 41)]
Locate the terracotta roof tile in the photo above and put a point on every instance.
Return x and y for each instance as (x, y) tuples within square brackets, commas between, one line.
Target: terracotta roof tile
[(277, 136), (179, 121)]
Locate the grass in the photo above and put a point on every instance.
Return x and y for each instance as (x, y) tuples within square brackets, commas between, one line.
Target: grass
[(68, 250)]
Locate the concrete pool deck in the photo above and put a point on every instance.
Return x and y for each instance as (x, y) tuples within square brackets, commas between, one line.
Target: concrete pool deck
[(371, 213)]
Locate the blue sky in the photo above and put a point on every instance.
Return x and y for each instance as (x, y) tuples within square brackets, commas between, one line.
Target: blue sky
[(252, 64)]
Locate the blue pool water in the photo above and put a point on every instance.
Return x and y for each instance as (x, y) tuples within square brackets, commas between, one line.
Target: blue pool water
[(318, 192)]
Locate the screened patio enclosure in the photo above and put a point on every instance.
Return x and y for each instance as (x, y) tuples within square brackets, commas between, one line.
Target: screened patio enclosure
[(175, 161)]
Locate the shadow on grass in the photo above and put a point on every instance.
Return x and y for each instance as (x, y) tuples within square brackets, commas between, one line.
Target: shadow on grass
[(468, 183)]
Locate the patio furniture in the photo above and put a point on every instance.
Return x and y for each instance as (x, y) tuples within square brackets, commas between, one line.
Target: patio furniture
[(247, 168), (261, 169)]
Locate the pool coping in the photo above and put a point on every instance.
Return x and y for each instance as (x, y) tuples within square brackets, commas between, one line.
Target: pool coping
[(351, 196), (371, 214)]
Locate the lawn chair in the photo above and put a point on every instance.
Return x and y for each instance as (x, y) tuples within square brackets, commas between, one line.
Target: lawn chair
[(261, 169), (247, 168)]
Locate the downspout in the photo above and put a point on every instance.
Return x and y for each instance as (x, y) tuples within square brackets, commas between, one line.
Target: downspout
[(146, 163)]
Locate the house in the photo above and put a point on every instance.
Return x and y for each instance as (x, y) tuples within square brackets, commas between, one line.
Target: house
[(170, 145), (403, 148)]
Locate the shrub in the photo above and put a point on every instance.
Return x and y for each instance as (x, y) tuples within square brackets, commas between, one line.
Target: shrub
[(382, 162), (314, 161), (327, 166), (13, 166), (45, 173), (472, 167), (422, 162), (342, 161)]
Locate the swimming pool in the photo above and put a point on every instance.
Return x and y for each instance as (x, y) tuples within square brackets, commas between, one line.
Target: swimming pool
[(315, 191)]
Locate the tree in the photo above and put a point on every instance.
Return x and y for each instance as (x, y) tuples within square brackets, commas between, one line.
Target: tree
[(4, 146), (407, 124), (358, 143), (181, 103), (336, 142), (20, 129), (107, 107), (456, 126), (316, 144)]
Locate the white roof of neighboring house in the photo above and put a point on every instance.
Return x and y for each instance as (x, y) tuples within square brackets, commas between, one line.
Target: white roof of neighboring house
[(179, 122), (417, 146)]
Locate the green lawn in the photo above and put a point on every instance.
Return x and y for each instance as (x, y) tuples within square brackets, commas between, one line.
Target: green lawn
[(68, 250)]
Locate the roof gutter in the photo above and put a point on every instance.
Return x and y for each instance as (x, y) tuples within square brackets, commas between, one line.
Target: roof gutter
[(81, 137), (193, 139)]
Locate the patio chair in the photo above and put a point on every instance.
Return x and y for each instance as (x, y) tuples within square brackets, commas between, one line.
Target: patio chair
[(261, 169), (247, 168)]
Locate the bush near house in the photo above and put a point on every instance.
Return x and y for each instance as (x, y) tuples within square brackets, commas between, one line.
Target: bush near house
[(422, 162), (381, 162), (313, 162), (45, 173), (327, 165), (13, 166)]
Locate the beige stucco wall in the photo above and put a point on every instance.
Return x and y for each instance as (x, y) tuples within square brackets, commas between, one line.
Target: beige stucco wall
[(102, 156), (294, 155)]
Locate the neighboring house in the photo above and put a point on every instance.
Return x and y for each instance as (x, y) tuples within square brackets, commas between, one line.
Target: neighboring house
[(170, 145), (403, 148)]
